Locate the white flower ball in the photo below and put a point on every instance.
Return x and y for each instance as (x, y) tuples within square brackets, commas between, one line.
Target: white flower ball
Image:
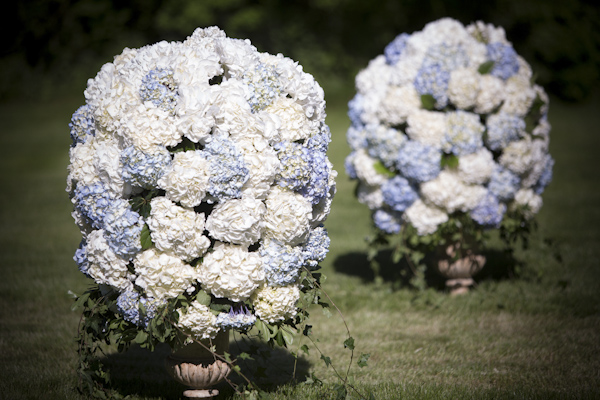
[(274, 304), (230, 271), (106, 267), (287, 217), (186, 181), (162, 276), (425, 218), (198, 321), (176, 230), (238, 221)]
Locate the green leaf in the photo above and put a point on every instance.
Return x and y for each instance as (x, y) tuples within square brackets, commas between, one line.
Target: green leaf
[(141, 337), (305, 349), (145, 238), (349, 343), (382, 169), (288, 336), (428, 101), (245, 356), (486, 67), (326, 359), (307, 330), (449, 160), (362, 360)]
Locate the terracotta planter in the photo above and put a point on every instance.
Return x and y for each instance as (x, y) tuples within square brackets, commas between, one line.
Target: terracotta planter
[(197, 368), (458, 266)]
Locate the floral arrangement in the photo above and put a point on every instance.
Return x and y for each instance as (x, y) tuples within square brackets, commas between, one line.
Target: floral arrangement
[(200, 182), (449, 136)]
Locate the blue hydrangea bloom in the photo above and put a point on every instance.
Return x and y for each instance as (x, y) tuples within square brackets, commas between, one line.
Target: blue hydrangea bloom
[(433, 79), (281, 263), (387, 221), (228, 171), (464, 134), (317, 187), (82, 125), (505, 60), (264, 86), (357, 137), (122, 229), (504, 184), (92, 201), (239, 318), (142, 169), (355, 110), (398, 193), (434, 74), (489, 211), (384, 144), (418, 162), (320, 140), (503, 128), (316, 247), (394, 49), (295, 169), (128, 305), (546, 176), (159, 88), (349, 167), (80, 258)]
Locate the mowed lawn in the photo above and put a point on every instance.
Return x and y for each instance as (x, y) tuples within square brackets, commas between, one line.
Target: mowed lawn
[(532, 334)]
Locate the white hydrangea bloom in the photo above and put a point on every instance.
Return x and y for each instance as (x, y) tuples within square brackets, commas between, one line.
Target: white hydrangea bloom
[(398, 104), (198, 321), (539, 156), (425, 218), (427, 127), (162, 276), (106, 267), (476, 168), (322, 209), (293, 123), (176, 230), (533, 201), (449, 193), (369, 195), (274, 304), (365, 168), (263, 164), (518, 156), (288, 216), (231, 272), (463, 87), (491, 94), (186, 181), (518, 96), (108, 166), (81, 169), (238, 221)]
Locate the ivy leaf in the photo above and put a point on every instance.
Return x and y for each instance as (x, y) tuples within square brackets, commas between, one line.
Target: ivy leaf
[(141, 337), (382, 169), (304, 348), (428, 101), (349, 343), (145, 238), (486, 67), (362, 360), (245, 356), (326, 359)]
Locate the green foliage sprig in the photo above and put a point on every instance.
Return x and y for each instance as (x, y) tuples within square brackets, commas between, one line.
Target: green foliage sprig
[(102, 328)]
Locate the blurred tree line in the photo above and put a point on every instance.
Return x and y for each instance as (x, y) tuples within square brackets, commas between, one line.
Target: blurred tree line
[(55, 45)]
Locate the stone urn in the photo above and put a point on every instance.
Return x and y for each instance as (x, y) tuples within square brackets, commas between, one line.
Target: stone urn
[(196, 367), (458, 265)]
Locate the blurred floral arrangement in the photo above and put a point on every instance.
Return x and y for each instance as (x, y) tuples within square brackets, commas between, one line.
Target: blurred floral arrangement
[(200, 181), (449, 138)]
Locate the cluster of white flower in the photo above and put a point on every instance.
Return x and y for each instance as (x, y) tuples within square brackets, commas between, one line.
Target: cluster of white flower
[(447, 121), (195, 165)]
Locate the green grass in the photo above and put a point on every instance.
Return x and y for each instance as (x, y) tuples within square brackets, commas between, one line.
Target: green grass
[(531, 336)]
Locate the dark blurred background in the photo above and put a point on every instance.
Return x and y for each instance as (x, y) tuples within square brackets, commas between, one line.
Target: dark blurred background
[(51, 47)]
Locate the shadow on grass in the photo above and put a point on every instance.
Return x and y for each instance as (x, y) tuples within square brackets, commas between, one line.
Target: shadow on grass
[(140, 372), (499, 266)]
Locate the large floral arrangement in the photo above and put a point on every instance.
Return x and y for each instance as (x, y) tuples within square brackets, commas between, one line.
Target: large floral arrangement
[(449, 136), (200, 182)]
